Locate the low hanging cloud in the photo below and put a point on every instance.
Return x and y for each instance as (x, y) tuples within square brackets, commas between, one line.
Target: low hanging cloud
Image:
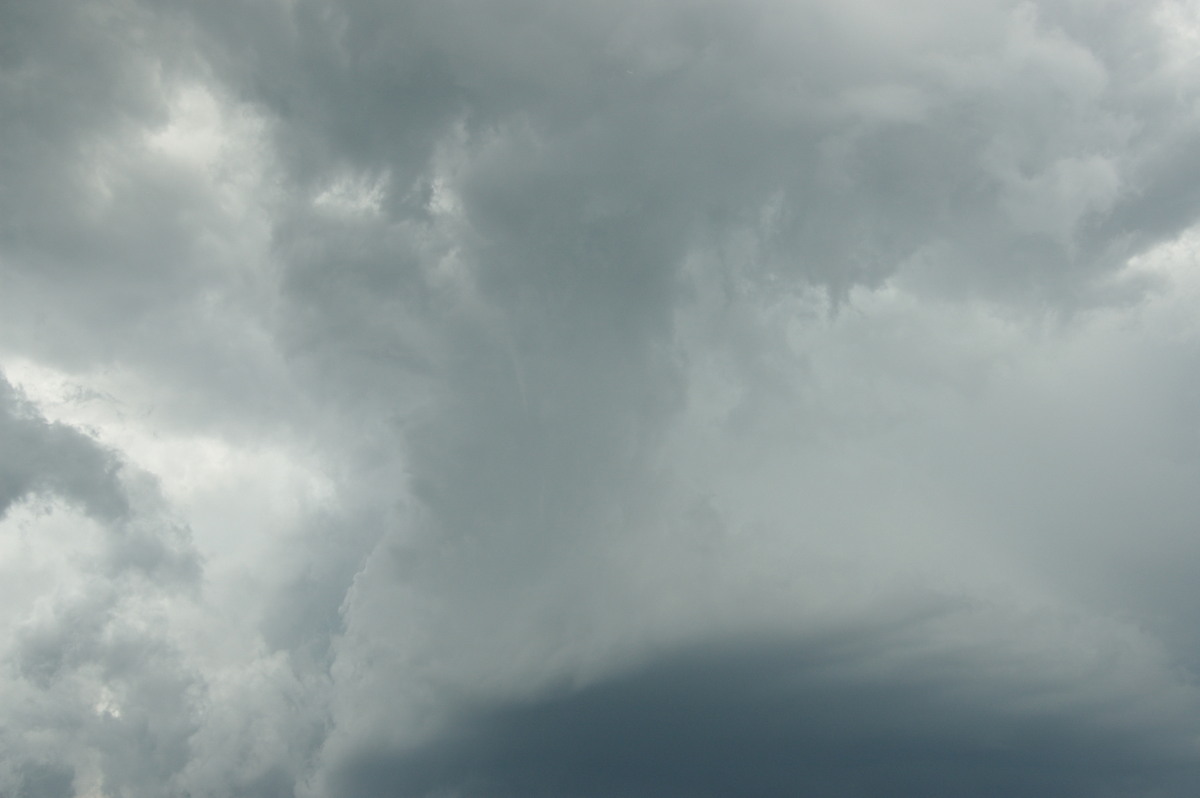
[(818, 716), (669, 398)]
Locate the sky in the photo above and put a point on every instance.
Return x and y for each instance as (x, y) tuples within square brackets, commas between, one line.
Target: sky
[(606, 399)]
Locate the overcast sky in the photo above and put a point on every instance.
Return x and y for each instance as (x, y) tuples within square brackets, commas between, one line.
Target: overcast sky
[(600, 399)]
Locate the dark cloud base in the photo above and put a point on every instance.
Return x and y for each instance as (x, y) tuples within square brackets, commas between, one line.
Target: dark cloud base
[(767, 719)]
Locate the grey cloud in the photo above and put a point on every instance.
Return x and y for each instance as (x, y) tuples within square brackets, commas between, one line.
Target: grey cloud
[(683, 116), (593, 159), (91, 642), (768, 718), (579, 172), (54, 458), (99, 693), (39, 780), (58, 461), (117, 251), (613, 328)]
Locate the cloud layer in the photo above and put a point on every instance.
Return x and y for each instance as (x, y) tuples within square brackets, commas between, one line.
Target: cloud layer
[(670, 398)]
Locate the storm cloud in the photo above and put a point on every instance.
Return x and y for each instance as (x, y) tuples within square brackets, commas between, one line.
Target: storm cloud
[(774, 719), (515, 398)]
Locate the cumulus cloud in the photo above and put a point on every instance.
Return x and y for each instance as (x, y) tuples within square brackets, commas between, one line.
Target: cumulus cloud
[(93, 688), (517, 398)]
